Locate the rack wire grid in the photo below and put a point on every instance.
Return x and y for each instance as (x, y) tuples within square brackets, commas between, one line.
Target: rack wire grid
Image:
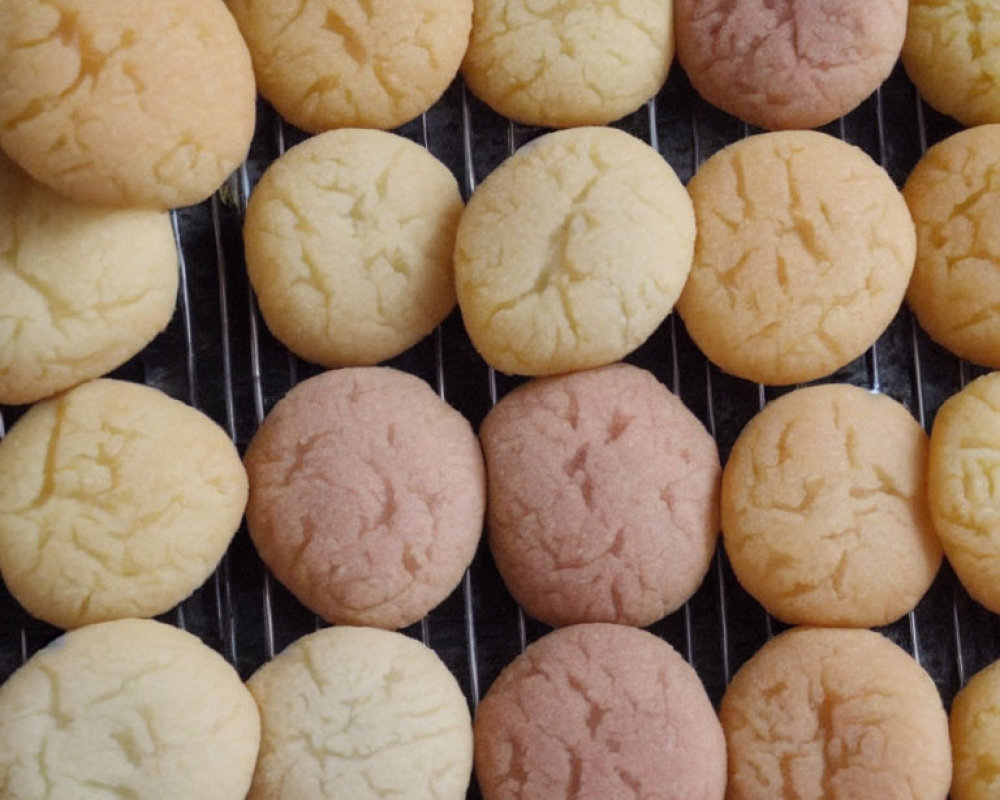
[(218, 356)]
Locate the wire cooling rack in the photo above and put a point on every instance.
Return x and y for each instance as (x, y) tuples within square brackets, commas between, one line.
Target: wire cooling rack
[(218, 356)]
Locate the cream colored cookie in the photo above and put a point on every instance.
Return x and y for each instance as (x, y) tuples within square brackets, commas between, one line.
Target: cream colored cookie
[(975, 737), (951, 54), (326, 64), (127, 709), (954, 197), (82, 289), (824, 510), (360, 714), (125, 102), (804, 251), (115, 501), (349, 239), (835, 714), (963, 486), (568, 62), (572, 252)]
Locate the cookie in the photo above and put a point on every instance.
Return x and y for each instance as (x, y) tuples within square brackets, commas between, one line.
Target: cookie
[(327, 64), (949, 54), (82, 288), (788, 63), (367, 495), (602, 497), (835, 713), (380, 714), (571, 62), (804, 251), (599, 711), (131, 708), (954, 197), (146, 103), (572, 252), (349, 239), (962, 487), (824, 509), (115, 501), (975, 737)]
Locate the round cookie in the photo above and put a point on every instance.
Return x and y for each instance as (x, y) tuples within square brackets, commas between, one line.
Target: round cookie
[(145, 103), (824, 508), (82, 288), (571, 62), (962, 486), (950, 55), (788, 63), (131, 708), (804, 252), (954, 197), (836, 714), (975, 737), (572, 252), (599, 711), (349, 239), (367, 495), (602, 497), (326, 64), (382, 716), (115, 501)]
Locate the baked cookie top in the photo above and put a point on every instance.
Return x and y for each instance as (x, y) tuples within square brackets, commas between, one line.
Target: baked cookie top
[(975, 734)]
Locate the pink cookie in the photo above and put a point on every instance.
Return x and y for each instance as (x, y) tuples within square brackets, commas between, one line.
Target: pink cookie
[(367, 494), (599, 712), (603, 497)]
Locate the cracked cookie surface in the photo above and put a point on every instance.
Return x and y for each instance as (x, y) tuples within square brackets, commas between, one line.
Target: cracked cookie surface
[(125, 710), (115, 501), (835, 714), (824, 509), (599, 711), (367, 495), (572, 252), (360, 714), (804, 251), (975, 737), (140, 103), (602, 497)]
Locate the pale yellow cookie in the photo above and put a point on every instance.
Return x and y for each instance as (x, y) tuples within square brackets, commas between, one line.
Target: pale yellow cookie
[(349, 239), (127, 709), (963, 486), (824, 510), (568, 62), (328, 64), (145, 103), (115, 501), (954, 196), (804, 251), (82, 288), (952, 54), (975, 737), (572, 252)]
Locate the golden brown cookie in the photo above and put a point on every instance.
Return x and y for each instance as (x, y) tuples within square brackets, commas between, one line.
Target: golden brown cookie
[(975, 737)]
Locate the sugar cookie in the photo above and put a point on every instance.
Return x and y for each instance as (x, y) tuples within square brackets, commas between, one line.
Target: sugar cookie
[(325, 64), (835, 713), (131, 708), (572, 252), (115, 501), (571, 62), (602, 498), (804, 251), (383, 716), (599, 711), (367, 495), (788, 63), (82, 289), (824, 510), (125, 102), (975, 737), (349, 239)]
